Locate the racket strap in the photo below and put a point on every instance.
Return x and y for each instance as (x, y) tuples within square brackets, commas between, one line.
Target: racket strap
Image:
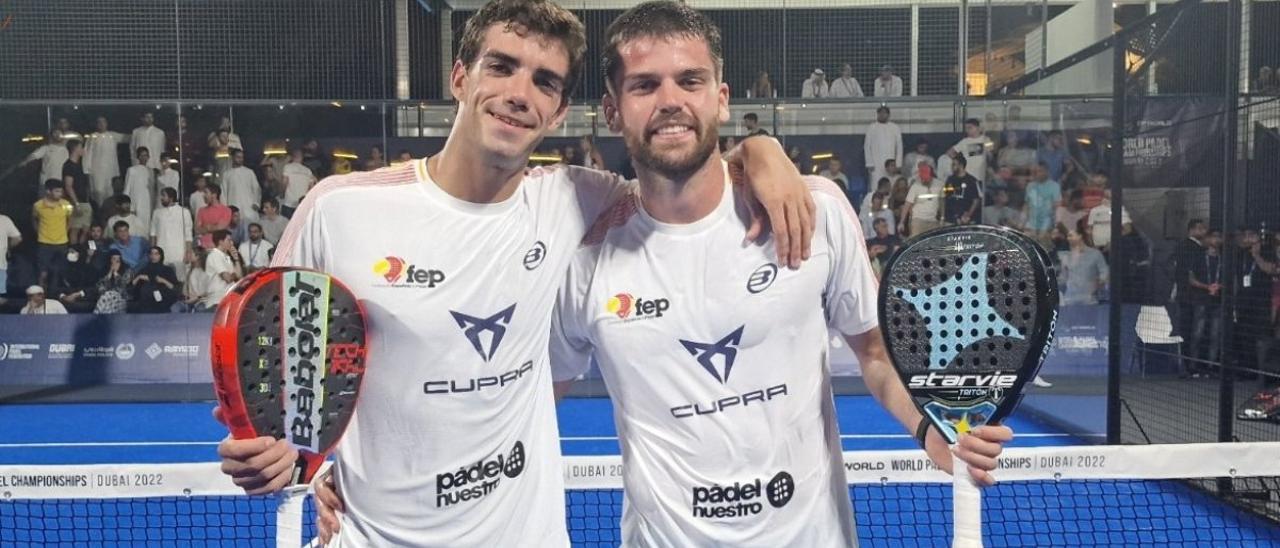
[(922, 431)]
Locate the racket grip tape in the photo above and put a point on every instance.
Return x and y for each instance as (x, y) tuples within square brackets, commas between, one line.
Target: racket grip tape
[(966, 506), (305, 468)]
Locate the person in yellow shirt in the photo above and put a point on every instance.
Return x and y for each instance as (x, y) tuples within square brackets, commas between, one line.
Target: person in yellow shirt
[(51, 217)]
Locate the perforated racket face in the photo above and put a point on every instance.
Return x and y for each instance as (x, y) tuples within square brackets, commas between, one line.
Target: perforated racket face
[(289, 350), (967, 315)]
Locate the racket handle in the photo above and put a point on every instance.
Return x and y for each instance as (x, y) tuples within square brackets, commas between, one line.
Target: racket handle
[(966, 504)]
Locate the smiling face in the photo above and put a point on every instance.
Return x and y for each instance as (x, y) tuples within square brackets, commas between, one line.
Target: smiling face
[(512, 96), (668, 102)]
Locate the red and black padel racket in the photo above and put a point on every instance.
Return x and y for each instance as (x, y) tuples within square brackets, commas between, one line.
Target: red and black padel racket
[(288, 352)]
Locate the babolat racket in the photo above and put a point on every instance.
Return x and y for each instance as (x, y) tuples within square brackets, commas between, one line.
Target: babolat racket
[(288, 356), (967, 314)]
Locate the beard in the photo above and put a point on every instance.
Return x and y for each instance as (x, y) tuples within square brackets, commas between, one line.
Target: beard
[(675, 162)]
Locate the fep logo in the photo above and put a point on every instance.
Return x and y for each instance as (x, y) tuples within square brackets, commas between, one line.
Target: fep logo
[(625, 306), (399, 273)]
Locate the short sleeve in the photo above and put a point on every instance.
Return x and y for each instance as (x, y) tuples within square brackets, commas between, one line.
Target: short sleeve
[(571, 346), (596, 190), (851, 291)]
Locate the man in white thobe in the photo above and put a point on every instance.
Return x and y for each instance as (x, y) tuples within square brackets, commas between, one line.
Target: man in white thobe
[(815, 85), (883, 142), (150, 136), (242, 188), (171, 231), (846, 85), (139, 186), (888, 84), (102, 161)]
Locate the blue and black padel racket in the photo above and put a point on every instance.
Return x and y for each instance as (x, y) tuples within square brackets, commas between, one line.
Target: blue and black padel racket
[(967, 314)]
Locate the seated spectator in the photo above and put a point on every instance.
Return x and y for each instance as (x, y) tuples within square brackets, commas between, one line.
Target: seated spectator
[(132, 249), (751, 123), (223, 266), (94, 249), (37, 304), (846, 85), (272, 222), (762, 87), (888, 84), (591, 156), (815, 86), (124, 212), (883, 185), (882, 245), (213, 217), (1083, 271), (920, 155), (113, 286), (1015, 156), (195, 289), (155, 285), (76, 290), (256, 251), (727, 144), (1000, 213), (834, 173), (376, 159), (570, 157), (1070, 213), (238, 229), (877, 211)]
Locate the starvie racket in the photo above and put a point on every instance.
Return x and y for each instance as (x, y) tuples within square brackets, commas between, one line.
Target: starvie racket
[(967, 315), (288, 357)]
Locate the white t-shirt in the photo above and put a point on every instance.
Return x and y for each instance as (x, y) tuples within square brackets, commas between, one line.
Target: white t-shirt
[(975, 150), (241, 189), (7, 230), (196, 202), (459, 297), (256, 255), (298, 180), (216, 263), (716, 361), (925, 199)]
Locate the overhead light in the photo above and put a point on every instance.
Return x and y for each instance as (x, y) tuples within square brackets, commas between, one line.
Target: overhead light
[(590, 114), (275, 152), (361, 107), (551, 158), (72, 135), (336, 104), (281, 107), (823, 156), (33, 139), (345, 155)]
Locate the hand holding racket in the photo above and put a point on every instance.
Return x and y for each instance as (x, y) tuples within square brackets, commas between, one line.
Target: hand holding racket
[(288, 356), (967, 315)]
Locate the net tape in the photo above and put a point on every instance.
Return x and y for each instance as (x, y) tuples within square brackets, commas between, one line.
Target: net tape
[(586, 474)]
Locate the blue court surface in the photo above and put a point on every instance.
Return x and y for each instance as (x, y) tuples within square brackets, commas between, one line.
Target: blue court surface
[(186, 432)]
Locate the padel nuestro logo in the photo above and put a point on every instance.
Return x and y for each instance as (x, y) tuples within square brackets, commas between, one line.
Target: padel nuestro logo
[(742, 499), (477, 480), (396, 272), (629, 307)]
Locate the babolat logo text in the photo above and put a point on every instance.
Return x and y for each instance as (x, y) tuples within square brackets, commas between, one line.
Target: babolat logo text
[(306, 333), (479, 479), (944, 380), (742, 499), (477, 384)]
